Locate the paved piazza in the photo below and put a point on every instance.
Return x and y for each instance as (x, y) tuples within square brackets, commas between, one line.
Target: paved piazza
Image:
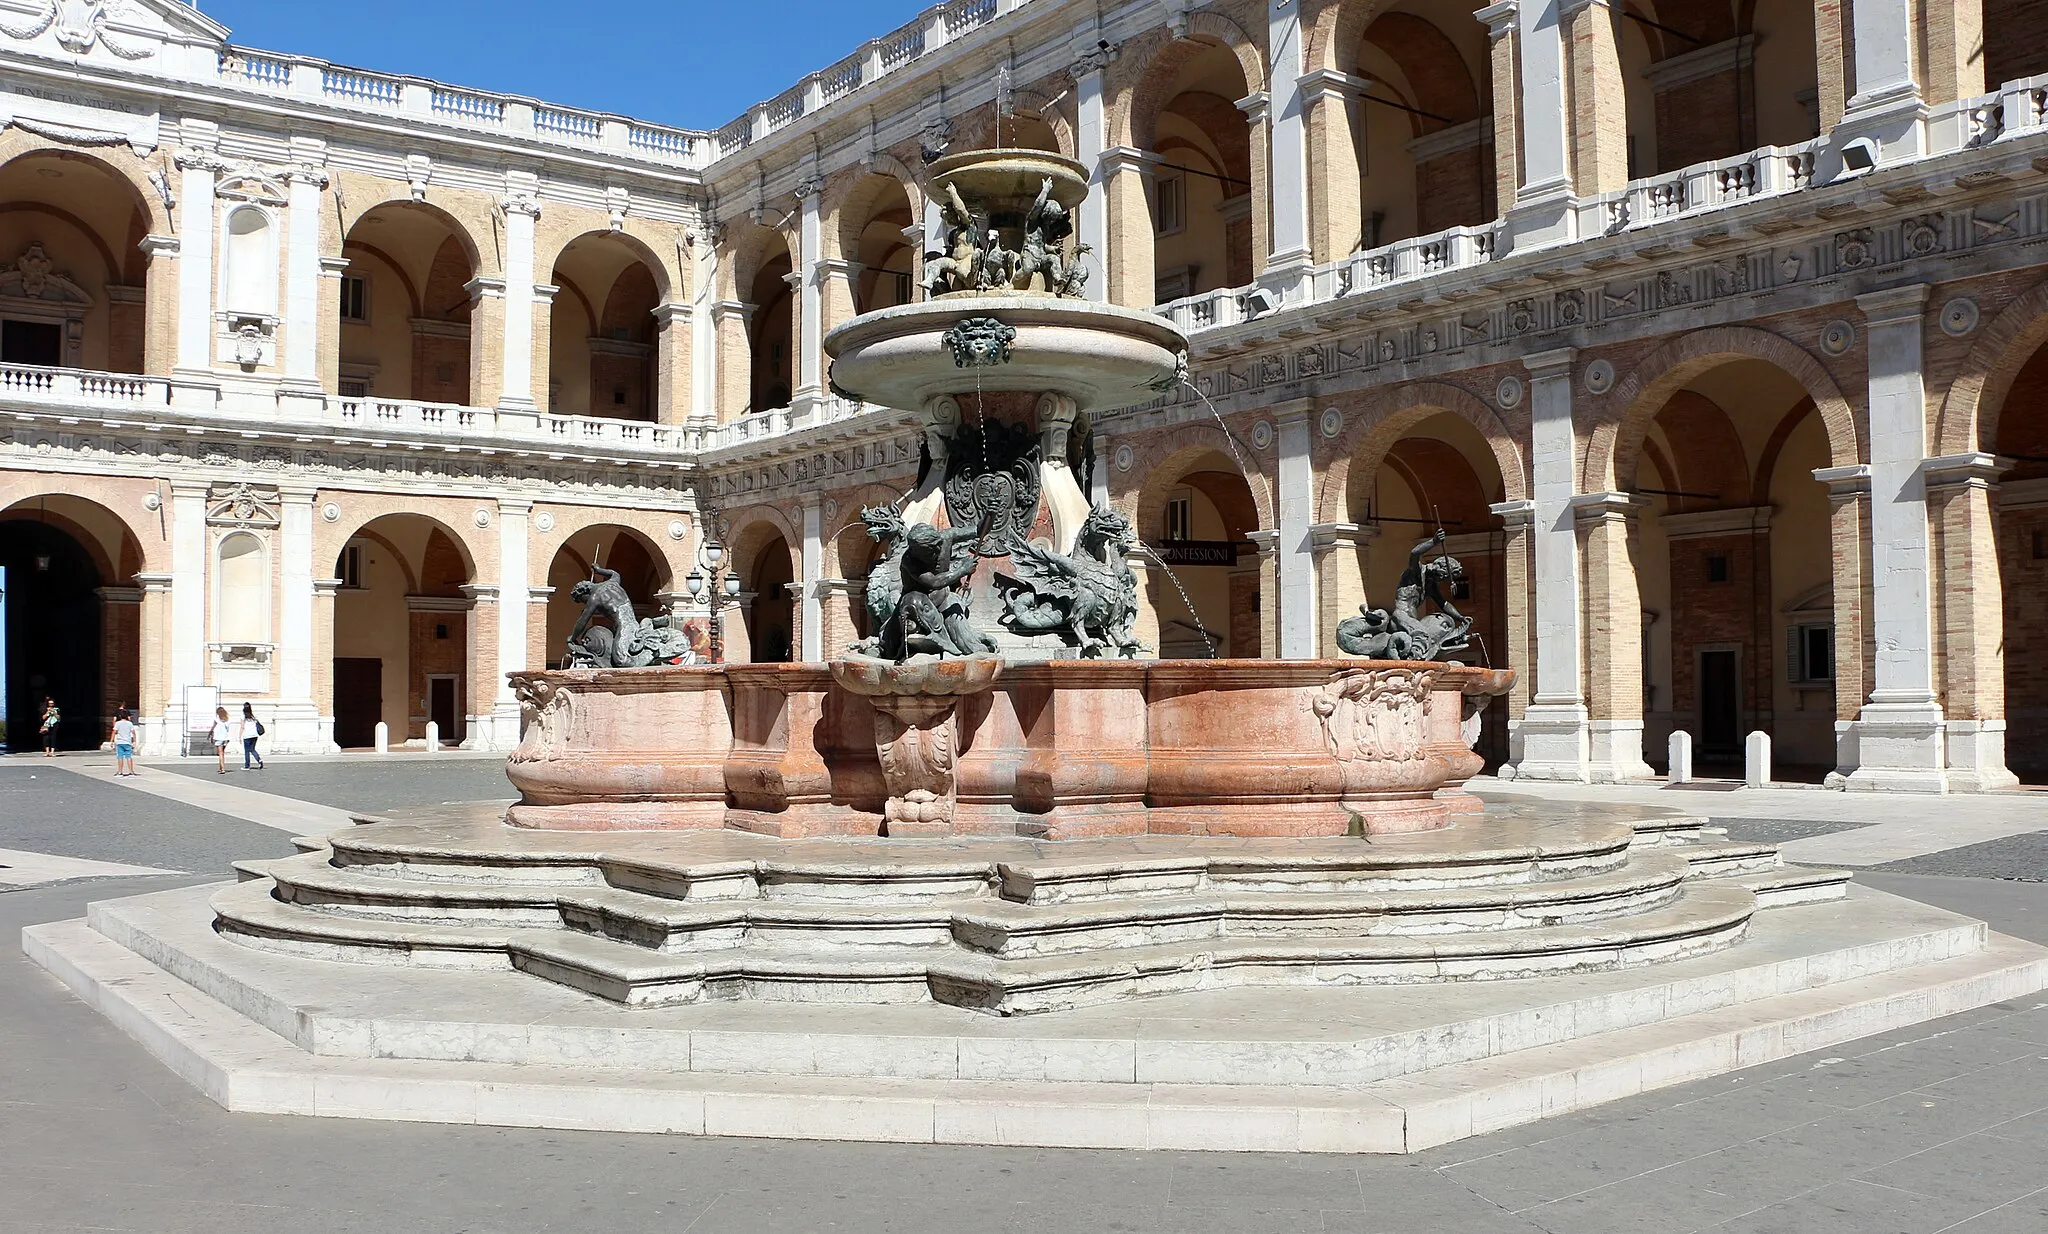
[(1680, 369), (1935, 1128)]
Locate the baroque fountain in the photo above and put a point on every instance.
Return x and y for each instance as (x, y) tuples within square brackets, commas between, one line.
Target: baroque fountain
[(919, 891)]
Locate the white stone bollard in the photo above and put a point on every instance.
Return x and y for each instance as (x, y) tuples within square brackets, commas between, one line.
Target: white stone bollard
[(1756, 760), (383, 737), (433, 737), (1680, 747)]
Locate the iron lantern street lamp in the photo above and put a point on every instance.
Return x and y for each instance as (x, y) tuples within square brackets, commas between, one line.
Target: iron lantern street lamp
[(721, 587)]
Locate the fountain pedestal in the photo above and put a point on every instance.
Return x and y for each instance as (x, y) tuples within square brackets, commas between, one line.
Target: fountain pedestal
[(917, 737)]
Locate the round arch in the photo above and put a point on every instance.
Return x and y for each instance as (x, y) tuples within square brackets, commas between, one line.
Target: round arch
[(1615, 441), (1137, 105), (666, 276), (1968, 420), (18, 144), (1385, 419), (454, 217), (333, 537), (22, 493)]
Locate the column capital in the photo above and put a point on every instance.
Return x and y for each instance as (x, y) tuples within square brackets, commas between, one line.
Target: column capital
[(1326, 536), (668, 314), (1127, 158), (544, 293), (1597, 507), (1842, 482), (484, 288), (1094, 59), (1548, 364), (525, 205), (1319, 84), (1499, 18), (334, 267), (810, 188), (1515, 513), (1975, 469), (481, 593), (539, 595), (1266, 541), (298, 494), (1894, 305), (160, 246), (156, 584), (515, 506), (727, 310), (326, 587), (1255, 106)]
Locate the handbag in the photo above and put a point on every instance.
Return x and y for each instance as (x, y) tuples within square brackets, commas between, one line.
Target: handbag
[(260, 730)]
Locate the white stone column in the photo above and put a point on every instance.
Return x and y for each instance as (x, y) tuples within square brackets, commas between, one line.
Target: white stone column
[(1888, 110), (513, 582), (811, 618), (1542, 212), (1091, 139), (196, 186), (810, 344), (302, 283), (1290, 258), (188, 597), (704, 335), (297, 719), (1555, 732), (522, 213), (1295, 564), (160, 724), (1899, 732)]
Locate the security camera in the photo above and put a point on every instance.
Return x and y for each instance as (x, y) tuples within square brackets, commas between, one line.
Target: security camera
[(1859, 156)]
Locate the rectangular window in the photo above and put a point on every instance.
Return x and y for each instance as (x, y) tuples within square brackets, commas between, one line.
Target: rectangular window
[(1172, 192), (1717, 569), (355, 299), (1812, 653), (351, 567), (2041, 546), (354, 389), (1180, 517)]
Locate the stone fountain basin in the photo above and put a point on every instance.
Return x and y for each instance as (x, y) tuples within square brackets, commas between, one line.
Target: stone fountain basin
[(1012, 176), (1099, 355), (919, 675)]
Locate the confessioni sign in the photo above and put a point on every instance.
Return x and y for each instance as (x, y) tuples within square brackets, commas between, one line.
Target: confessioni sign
[(1198, 552)]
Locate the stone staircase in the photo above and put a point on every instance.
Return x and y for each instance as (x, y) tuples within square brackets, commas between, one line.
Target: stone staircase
[(1010, 926)]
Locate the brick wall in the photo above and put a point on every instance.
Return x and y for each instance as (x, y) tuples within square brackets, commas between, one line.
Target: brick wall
[(1453, 190), (1701, 120), (2016, 42), (1720, 614)]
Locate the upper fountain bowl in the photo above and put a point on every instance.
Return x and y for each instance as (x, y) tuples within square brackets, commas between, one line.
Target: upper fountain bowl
[(1004, 307)]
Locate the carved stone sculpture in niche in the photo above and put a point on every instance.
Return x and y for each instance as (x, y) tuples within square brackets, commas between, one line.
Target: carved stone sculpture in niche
[(1090, 596), (1406, 632)]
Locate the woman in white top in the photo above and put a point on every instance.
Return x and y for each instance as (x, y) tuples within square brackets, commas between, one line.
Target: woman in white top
[(224, 734)]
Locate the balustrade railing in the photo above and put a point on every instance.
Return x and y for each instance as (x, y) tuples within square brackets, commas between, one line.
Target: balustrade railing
[(69, 386)]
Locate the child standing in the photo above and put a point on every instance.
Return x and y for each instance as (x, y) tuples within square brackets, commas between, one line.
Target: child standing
[(223, 735), (124, 744)]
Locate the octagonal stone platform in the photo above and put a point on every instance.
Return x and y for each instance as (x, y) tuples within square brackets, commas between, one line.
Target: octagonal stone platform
[(1320, 1061)]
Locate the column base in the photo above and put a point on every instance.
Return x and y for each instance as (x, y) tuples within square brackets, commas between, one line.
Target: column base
[(1556, 744), (1895, 123), (301, 402), (297, 728), (1543, 221), (1976, 756), (1290, 276), (497, 731), (1617, 752), (1900, 749)]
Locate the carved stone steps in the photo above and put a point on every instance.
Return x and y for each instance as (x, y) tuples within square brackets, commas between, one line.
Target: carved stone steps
[(1701, 917)]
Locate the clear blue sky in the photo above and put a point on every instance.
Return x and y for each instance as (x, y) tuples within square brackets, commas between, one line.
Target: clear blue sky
[(696, 63)]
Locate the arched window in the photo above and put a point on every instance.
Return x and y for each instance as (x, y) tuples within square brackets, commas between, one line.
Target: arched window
[(242, 591), (249, 264)]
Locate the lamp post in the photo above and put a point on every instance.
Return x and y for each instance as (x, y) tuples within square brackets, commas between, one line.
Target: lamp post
[(713, 584)]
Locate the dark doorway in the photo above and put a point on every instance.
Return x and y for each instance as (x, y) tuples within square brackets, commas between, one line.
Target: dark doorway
[(53, 635), (1720, 705), (358, 701), (31, 342), (442, 709)]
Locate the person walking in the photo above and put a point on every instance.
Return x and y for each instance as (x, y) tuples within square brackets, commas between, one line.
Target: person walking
[(224, 732), (51, 719), (252, 728), (124, 744)]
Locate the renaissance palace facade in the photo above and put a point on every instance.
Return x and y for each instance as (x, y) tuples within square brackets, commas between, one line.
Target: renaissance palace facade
[(1710, 332)]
